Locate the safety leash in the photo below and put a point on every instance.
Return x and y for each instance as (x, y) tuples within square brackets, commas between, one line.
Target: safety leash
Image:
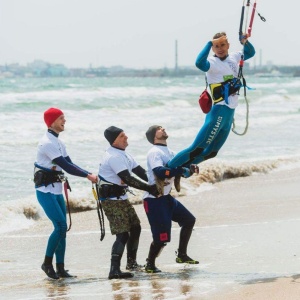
[(66, 188), (99, 211)]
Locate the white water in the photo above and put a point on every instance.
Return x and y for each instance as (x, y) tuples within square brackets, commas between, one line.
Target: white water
[(91, 105)]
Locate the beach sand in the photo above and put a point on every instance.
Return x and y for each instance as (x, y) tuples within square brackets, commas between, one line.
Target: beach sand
[(269, 288), (246, 238)]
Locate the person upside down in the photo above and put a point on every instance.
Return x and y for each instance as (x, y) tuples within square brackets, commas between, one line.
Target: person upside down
[(222, 77)]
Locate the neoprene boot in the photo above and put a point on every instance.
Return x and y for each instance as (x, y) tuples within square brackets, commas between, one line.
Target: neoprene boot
[(47, 267), (61, 272), (184, 258), (132, 264), (132, 247), (185, 234), (151, 268), (115, 272), (154, 251)]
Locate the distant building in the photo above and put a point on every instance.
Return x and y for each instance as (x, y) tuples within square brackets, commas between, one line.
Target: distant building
[(43, 69)]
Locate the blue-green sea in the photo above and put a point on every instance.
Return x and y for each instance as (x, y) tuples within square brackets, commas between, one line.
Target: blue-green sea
[(92, 104)]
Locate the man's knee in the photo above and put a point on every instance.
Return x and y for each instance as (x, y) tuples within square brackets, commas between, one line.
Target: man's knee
[(122, 237), (135, 230), (211, 155), (189, 223), (195, 153)]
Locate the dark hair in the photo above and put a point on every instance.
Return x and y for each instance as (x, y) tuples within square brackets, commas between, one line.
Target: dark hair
[(219, 34)]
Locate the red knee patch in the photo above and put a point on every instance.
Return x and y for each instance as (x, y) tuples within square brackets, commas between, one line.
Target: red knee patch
[(163, 236), (146, 206)]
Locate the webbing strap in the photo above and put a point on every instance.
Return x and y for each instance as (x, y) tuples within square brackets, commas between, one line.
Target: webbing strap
[(66, 187), (99, 211), (241, 76)]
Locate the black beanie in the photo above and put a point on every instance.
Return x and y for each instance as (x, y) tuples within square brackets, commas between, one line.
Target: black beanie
[(111, 133), (150, 133)]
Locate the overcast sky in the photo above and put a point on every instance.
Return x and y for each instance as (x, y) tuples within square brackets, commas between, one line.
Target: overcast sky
[(140, 33)]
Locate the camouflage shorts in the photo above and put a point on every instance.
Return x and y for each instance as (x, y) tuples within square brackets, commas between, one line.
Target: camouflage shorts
[(120, 214)]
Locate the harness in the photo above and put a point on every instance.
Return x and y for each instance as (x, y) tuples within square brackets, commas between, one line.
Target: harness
[(44, 176), (221, 91), (108, 190)]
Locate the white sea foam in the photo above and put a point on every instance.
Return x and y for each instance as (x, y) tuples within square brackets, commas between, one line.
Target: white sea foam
[(18, 214), (134, 104)]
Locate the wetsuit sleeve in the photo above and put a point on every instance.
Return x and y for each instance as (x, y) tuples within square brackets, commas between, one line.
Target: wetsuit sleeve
[(133, 182), (164, 172), (249, 50), (68, 158), (140, 172), (201, 61), (69, 167)]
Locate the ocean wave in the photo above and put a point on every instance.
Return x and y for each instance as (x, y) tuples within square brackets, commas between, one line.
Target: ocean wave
[(213, 172), (22, 214), (82, 204), (94, 98), (17, 215)]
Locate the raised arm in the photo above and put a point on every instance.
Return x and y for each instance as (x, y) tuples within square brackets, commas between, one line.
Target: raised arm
[(249, 50), (201, 62)]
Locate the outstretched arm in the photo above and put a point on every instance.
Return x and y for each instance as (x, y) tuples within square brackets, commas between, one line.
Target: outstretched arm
[(69, 167), (165, 172), (136, 183), (140, 172)]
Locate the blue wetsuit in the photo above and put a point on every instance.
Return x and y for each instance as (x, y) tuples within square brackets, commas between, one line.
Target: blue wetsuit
[(218, 121)]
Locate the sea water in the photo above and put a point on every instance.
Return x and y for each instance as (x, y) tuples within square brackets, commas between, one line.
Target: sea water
[(92, 104)]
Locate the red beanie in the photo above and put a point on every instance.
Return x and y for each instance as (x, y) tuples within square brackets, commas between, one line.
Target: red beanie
[(51, 114)]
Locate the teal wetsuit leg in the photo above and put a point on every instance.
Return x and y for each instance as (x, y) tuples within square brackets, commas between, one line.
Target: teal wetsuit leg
[(209, 139), (55, 209), (213, 149)]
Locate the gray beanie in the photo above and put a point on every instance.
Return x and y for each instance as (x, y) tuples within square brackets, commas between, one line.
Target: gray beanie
[(111, 133), (150, 133)]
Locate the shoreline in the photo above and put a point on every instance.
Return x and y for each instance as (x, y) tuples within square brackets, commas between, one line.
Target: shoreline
[(245, 237), (281, 207)]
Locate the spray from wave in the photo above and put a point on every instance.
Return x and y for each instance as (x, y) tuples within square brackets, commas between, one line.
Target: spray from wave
[(213, 173), (22, 214)]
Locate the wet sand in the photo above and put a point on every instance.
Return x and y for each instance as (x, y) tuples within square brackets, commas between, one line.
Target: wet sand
[(268, 288), (246, 239)]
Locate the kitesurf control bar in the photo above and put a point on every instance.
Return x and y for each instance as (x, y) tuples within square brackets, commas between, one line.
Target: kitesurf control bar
[(251, 19), (243, 35), (249, 31)]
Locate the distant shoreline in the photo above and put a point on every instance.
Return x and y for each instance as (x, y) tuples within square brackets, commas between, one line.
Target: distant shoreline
[(42, 69)]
